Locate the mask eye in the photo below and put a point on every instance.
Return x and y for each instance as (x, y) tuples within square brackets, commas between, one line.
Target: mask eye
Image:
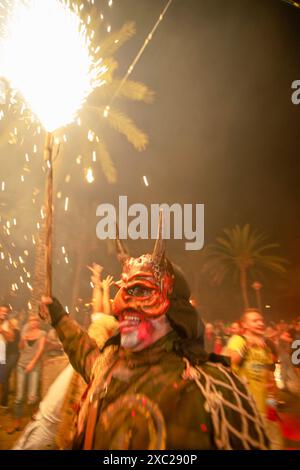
[(139, 291)]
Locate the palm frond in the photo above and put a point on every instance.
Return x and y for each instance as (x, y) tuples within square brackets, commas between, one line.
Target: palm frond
[(241, 247), (260, 250), (111, 65), (115, 40), (107, 164), (7, 136), (123, 124), (272, 263)]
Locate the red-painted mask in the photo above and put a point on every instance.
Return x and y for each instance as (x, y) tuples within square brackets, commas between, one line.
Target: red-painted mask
[(146, 283)]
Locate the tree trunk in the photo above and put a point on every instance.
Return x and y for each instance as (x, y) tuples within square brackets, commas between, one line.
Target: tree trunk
[(243, 284)]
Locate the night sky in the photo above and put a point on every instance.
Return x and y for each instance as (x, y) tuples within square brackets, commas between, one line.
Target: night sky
[(223, 132)]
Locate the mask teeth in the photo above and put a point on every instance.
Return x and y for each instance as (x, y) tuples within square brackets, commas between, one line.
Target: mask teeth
[(132, 318)]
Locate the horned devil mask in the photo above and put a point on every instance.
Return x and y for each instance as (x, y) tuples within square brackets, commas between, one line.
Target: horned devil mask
[(146, 282)]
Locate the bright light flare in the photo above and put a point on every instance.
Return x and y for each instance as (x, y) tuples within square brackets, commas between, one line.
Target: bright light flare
[(46, 56), (90, 176)]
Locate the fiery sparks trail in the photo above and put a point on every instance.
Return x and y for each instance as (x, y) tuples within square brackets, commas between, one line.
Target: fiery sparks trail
[(16, 102), (47, 56), (40, 74)]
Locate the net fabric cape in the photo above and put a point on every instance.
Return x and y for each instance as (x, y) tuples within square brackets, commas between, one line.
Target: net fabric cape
[(236, 421)]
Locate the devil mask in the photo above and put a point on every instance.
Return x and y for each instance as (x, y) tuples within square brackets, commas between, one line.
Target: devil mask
[(146, 282)]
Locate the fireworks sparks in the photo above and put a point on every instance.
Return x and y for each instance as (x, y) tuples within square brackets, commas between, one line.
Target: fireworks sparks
[(66, 204), (46, 100), (90, 176), (46, 56), (49, 80)]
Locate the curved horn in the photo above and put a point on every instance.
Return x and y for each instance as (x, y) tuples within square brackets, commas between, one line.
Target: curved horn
[(160, 245), (122, 252)]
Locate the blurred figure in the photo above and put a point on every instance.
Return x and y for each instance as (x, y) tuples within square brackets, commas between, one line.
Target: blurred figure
[(53, 426), (54, 361), (209, 338), (6, 336), (281, 327), (289, 374), (218, 347), (213, 339), (220, 329), (12, 357), (32, 346), (272, 337), (253, 360), (22, 317), (295, 332), (235, 329)]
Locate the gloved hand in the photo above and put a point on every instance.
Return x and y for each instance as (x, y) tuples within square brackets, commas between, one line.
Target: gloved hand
[(52, 307)]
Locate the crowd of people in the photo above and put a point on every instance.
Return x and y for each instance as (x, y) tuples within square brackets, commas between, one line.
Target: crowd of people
[(276, 338), (32, 356), (37, 363), (24, 350), (261, 354)]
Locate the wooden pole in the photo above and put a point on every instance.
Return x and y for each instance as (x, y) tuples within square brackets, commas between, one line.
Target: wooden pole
[(48, 151)]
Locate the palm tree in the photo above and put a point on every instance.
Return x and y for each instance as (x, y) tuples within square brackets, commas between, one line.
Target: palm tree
[(98, 113), (95, 116), (242, 252), (101, 111)]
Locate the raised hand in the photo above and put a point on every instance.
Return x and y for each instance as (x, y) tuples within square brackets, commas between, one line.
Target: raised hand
[(96, 271), (107, 282), (43, 308), (51, 309)]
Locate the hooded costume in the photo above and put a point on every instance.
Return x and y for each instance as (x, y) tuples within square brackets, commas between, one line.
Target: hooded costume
[(170, 395)]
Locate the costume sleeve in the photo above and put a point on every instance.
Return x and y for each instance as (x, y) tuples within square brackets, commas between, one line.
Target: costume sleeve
[(81, 349)]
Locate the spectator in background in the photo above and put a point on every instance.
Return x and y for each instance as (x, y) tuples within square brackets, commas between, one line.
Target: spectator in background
[(22, 318), (53, 425), (295, 332), (54, 361), (235, 329), (272, 336), (12, 357), (213, 342), (220, 330), (210, 338), (32, 346), (6, 336), (281, 327), (218, 346), (253, 360)]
